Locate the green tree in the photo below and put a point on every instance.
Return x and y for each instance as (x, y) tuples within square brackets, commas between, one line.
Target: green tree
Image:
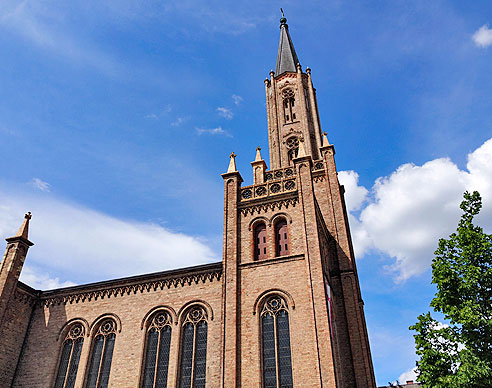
[(459, 354)]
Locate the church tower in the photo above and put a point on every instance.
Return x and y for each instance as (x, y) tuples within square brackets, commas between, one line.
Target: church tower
[(293, 312)]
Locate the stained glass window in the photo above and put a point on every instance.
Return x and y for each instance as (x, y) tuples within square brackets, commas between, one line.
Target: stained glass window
[(156, 363), (276, 353), (70, 356), (194, 349), (102, 355)]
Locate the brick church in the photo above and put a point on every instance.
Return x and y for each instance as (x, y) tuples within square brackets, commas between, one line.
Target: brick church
[(283, 308)]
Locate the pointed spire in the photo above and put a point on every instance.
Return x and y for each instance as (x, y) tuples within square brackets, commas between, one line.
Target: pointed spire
[(232, 163), (301, 152), (326, 143), (24, 229), (286, 57), (258, 154)]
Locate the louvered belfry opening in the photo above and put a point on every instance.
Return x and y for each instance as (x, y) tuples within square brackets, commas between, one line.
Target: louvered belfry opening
[(281, 238), (260, 239)]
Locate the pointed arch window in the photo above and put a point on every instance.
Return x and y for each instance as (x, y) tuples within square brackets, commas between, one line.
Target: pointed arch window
[(193, 349), (276, 353), (281, 238), (70, 357), (292, 148), (102, 355), (288, 105), (157, 347), (260, 243)]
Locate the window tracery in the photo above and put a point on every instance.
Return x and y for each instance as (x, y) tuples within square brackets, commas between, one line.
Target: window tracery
[(276, 352), (157, 348), (194, 349), (102, 355), (70, 357), (292, 144)]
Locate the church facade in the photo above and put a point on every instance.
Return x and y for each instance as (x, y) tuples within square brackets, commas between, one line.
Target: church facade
[(283, 308)]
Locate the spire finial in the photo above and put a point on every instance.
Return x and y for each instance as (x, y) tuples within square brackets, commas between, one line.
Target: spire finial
[(301, 152), (232, 163), (258, 154), (283, 20), (326, 143), (24, 229)]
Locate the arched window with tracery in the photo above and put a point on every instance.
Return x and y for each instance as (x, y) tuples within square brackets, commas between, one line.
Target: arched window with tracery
[(70, 356), (158, 343), (288, 104), (260, 243), (193, 349), (276, 354), (292, 144), (281, 238), (101, 354)]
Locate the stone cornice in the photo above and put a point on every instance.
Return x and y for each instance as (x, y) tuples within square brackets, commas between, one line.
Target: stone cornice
[(132, 285)]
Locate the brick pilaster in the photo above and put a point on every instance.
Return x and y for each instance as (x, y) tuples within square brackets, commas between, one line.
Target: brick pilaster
[(231, 285)]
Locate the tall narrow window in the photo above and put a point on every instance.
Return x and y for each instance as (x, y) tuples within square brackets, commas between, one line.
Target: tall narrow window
[(101, 355), (193, 349), (70, 356), (277, 364), (157, 351), (281, 238), (260, 245), (292, 144), (289, 103)]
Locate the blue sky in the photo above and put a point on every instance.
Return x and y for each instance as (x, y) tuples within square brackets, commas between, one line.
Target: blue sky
[(117, 119)]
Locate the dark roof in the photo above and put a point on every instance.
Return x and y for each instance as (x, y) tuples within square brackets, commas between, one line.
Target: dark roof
[(286, 57)]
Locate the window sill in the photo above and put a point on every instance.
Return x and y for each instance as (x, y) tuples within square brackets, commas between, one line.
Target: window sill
[(273, 260)]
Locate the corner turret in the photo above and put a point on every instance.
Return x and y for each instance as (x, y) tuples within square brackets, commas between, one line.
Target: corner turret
[(12, 263)]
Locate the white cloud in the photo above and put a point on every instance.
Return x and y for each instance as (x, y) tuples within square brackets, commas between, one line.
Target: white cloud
[(483, 36), (358, 194), (237, 99), (83, 245), (152, 116), (225, 112), (41, 185), (408, 211), (213, 131), (42, 281), (179, 121), (409, 375)]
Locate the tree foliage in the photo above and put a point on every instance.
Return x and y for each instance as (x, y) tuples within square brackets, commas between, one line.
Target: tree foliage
[(459, 354)]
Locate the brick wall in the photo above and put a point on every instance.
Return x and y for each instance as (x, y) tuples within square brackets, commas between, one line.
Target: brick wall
[(40, 361), (12, 334)]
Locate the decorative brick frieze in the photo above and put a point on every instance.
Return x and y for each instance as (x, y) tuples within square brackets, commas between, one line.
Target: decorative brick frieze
[(25, 298), (276, 182), (263, 207), (88, 293)]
